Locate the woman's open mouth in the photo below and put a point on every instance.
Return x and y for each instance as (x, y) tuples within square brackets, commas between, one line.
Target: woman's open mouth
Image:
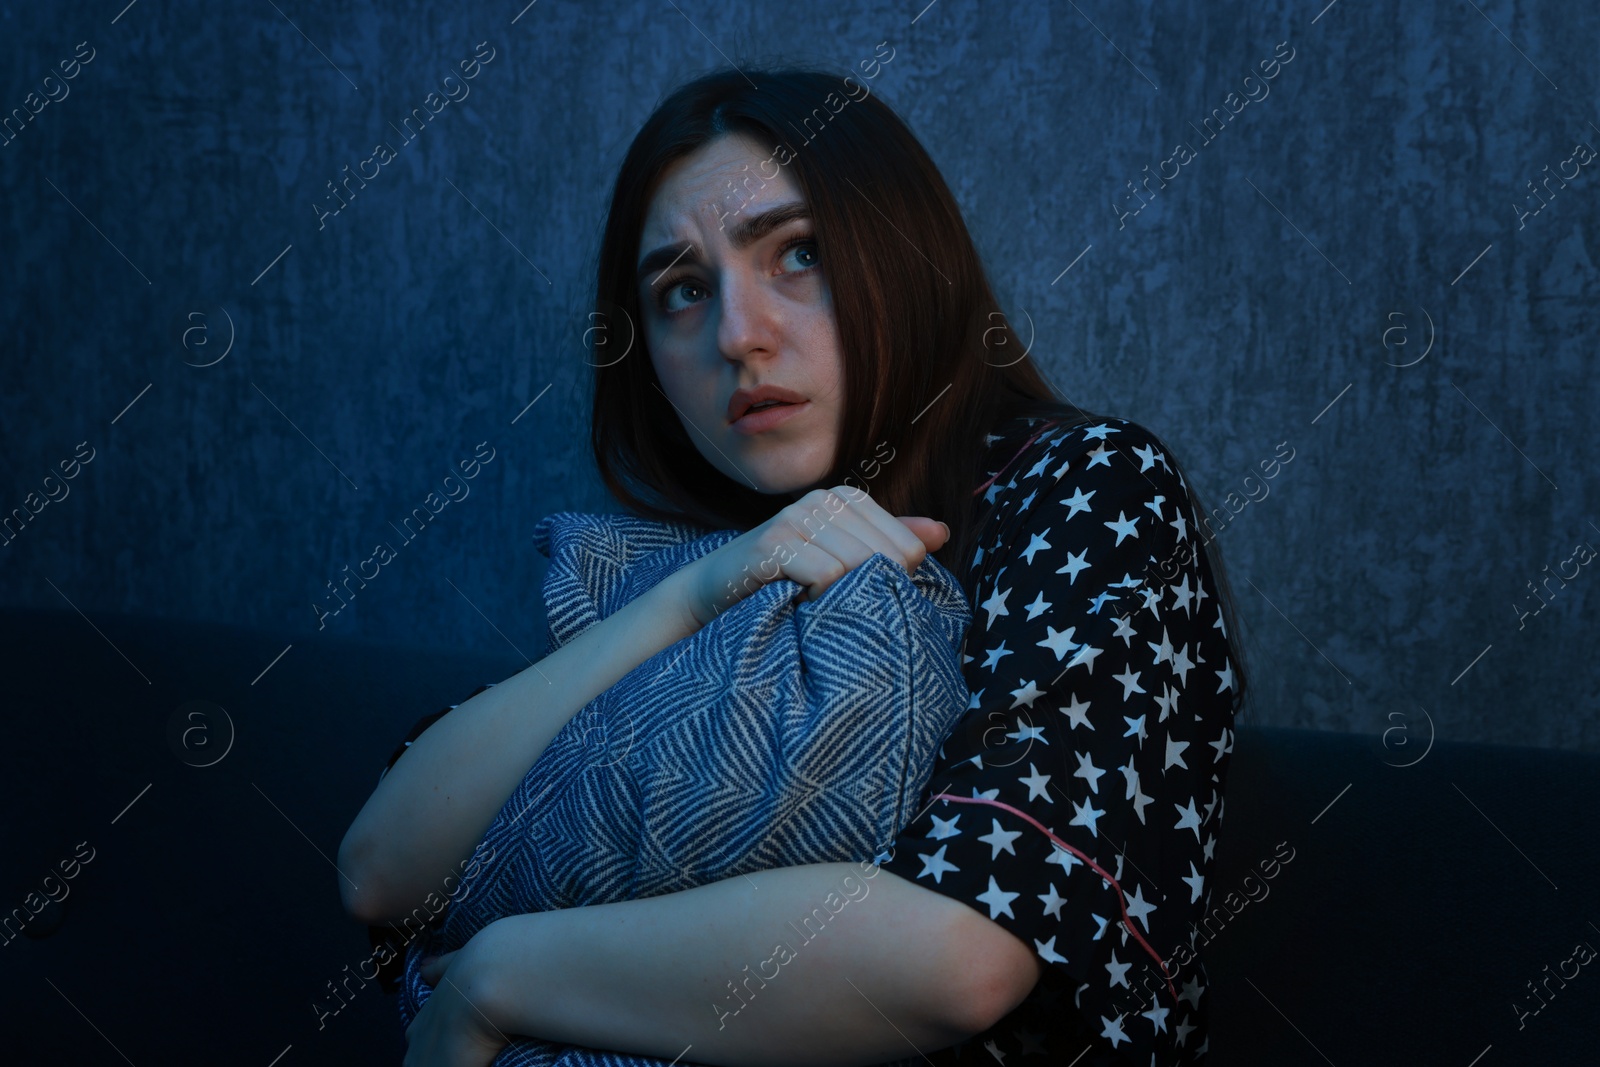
[(766, 415)]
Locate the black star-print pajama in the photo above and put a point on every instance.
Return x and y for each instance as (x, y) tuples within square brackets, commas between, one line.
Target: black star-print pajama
[(1102, 707)]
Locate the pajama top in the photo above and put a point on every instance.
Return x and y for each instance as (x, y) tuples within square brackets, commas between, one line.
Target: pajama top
[(1102, 705)]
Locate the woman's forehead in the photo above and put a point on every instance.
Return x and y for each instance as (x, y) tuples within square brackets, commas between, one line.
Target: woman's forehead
[(723, 178)]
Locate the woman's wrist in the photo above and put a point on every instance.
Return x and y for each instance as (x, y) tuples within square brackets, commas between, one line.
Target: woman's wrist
[(506, 970)]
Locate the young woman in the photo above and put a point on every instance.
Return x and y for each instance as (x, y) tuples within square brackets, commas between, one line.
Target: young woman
[(782, 236)]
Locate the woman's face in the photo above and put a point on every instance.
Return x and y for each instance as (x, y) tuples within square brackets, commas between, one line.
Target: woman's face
[(734, 299)]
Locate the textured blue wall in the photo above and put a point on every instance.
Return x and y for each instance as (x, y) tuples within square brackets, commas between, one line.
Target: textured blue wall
[(1367, 206)]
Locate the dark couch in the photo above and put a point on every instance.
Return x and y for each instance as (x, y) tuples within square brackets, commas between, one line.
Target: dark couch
[(202, 923)]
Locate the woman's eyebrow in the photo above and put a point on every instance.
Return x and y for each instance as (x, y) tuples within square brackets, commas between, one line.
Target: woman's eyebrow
[(742, 234)]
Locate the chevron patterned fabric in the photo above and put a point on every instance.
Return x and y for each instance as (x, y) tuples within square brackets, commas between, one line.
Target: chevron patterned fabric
[(782, 733)]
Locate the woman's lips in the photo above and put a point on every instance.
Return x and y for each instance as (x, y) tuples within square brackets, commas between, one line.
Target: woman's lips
[(766, 418)]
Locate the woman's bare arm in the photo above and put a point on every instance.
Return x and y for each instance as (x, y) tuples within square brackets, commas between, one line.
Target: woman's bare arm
[(435, 804), (890, 970)]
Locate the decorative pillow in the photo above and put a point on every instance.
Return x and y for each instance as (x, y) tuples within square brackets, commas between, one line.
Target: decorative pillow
[(782, 733)]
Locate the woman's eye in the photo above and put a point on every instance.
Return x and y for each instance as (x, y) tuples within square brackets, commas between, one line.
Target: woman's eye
[(666, 299), (802, 253)]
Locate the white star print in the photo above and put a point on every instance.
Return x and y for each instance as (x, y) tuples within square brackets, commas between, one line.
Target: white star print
[(1079, 501), (1088, 771), (1226, 678), (1085, 655), (1124, 630), (1181, 664), (995, 606), (1221, 745), (1182, 594), (1039, 606), (1139, 908), (1175, 754), (1135, 728), (1036, 784), (1026, 695), (1085, 815), (1119, 971), (1189, 818), (1053, 900), (1029, 733), (1075, 563), (1181, 526), (1059, 642), (1000, 840), (1124, 526), (1077, 714), (996, 655), (1036, 544), (1168, 700), (936, 865), (1047, 950), (1139, 801), (1130, 681), (1196, 882), (1163, 651), (943, 828), (999, 900), (1100, 457)]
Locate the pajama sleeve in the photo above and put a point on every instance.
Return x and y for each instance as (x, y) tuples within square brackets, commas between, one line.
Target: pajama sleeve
[(1102, 698)]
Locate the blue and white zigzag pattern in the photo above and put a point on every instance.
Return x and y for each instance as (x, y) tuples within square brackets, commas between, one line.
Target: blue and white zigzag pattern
[(782, 733)]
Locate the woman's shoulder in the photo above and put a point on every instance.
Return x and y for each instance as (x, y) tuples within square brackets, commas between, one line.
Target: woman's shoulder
[(1024, 451), (1048, 478)]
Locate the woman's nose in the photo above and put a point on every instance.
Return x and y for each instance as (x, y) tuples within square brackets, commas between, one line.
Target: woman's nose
[(748, 324)]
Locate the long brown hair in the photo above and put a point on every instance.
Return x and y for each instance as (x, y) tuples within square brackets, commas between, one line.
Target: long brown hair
[(930, 361)]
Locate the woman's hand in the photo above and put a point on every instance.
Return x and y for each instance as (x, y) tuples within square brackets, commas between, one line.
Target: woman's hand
[(453, 1029), (814, 541)]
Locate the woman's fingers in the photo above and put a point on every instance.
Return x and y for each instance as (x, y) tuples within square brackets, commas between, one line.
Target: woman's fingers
[(813, 541), (433, 967), (830, 539), (848, 524)]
